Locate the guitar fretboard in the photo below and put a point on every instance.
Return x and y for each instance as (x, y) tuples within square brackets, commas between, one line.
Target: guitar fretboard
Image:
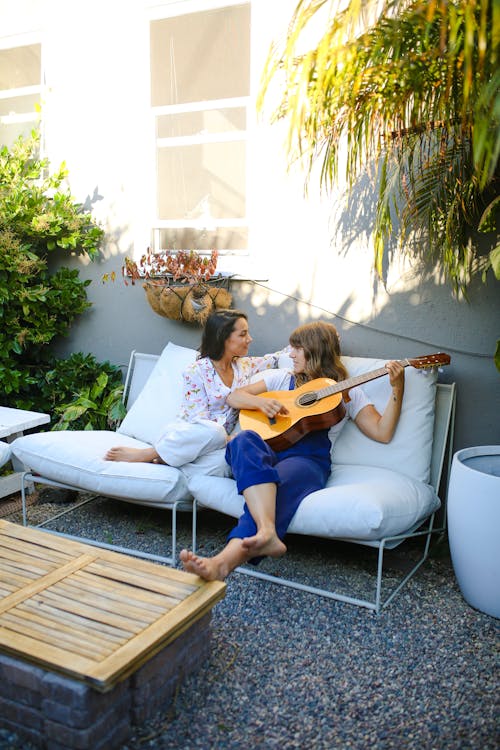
[(346, 385), (428, 361)]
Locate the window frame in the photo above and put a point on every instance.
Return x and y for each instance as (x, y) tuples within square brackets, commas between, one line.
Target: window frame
[(231, 261), (35, 116)]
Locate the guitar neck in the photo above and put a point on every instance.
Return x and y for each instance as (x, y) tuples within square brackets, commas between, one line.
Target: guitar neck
[(346, 385)]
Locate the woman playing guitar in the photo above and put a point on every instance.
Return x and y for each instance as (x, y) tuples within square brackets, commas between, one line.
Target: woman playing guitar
[(274, 482)]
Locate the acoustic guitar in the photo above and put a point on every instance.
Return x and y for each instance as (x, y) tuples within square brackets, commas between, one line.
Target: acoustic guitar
[(317, 405)]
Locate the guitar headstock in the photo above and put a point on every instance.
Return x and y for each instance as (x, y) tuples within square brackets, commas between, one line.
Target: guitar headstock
[(430, 360)]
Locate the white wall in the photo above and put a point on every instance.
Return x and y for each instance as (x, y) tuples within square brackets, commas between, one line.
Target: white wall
[(316, 257)]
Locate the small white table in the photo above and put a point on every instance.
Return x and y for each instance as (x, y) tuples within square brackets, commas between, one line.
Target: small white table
[(13, 423)]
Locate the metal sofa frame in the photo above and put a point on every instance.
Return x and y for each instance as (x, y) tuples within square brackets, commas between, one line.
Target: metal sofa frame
[(441, 457), (139, 369)]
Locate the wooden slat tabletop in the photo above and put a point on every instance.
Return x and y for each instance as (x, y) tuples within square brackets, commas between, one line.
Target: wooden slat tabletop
[(90, 613)]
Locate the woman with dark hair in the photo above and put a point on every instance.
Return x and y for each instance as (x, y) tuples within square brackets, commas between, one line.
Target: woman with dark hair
[(274, 483), (223, 365)]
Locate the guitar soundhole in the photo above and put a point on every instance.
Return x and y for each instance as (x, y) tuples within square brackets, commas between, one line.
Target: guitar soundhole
[(306, 399)]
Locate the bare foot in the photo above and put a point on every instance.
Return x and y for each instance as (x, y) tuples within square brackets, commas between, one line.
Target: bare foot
[(265, 544), (140, 455), (208, 568)]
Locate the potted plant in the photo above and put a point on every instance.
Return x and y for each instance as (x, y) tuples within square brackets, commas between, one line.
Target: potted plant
[(180, 284)]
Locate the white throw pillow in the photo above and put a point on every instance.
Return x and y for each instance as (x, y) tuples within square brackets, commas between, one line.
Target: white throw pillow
[(160, 400), (410, 450)]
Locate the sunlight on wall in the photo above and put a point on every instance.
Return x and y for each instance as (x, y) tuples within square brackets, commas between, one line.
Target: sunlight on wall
[(95, 109), (301, 240), (97, 120)]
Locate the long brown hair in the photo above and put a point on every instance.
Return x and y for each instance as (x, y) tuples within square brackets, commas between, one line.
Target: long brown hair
[(321, 345), (218, 328)]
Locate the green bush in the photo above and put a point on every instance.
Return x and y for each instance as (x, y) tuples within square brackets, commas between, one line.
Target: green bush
[(96, 405), (37, 216)]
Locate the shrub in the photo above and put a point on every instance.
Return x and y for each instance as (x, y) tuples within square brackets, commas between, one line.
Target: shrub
[(37, 216), (96, 405)]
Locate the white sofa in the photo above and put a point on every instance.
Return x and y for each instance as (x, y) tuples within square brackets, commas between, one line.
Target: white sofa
[(376, 494), (75, 459)]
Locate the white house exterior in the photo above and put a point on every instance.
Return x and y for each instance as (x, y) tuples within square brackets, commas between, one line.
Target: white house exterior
[(152, 107)]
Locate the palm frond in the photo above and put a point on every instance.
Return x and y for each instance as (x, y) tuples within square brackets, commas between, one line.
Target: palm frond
[(412, 82)]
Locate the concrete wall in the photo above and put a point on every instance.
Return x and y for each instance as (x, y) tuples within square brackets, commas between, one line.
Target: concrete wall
[(315, 256)]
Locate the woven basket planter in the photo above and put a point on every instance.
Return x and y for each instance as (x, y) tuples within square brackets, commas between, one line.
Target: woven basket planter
[(192, 303)]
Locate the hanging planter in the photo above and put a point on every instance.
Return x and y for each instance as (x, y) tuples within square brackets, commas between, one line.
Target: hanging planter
[(188, 288), (192, 303)]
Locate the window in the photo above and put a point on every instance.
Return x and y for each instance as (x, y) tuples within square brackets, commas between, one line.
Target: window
[(200, 99), (20, 91)]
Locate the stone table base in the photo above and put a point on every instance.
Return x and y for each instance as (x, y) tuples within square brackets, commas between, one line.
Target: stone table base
[(56, 712)]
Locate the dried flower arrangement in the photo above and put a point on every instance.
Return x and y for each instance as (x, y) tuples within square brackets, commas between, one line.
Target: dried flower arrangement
[(184, 266)]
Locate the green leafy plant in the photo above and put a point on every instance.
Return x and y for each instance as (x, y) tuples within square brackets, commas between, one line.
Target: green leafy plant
[(35, 306), (95, 408), (37, 216), (83, 393), (410, 87), (37, 206), (489, 223), (79, 392)]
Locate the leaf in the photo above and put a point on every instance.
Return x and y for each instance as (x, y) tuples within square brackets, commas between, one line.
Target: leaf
[(73, 412), (489, 219), (116, 412), (85, 403), (495, 261), (99, 386), (415, 83)]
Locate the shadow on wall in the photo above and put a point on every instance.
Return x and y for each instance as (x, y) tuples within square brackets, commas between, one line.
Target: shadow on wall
[(411, 324), (354, 221), (472, 367)]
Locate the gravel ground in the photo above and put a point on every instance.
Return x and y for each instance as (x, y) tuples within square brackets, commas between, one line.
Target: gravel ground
[(292, 670)]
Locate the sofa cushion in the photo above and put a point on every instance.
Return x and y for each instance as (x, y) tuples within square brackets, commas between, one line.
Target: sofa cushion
[(410, 449), (359, 502), (159, 401), (365, 502), (76, 458)]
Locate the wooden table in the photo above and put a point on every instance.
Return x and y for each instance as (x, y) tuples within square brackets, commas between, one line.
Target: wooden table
[(89, 613), (13, 423)]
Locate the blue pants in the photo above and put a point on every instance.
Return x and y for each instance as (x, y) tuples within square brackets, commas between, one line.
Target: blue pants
[(296, 471)]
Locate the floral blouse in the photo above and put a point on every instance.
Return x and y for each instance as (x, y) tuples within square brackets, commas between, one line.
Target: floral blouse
[(205, 394)]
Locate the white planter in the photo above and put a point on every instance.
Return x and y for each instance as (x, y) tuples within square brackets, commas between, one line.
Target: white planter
[(474, 525)]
